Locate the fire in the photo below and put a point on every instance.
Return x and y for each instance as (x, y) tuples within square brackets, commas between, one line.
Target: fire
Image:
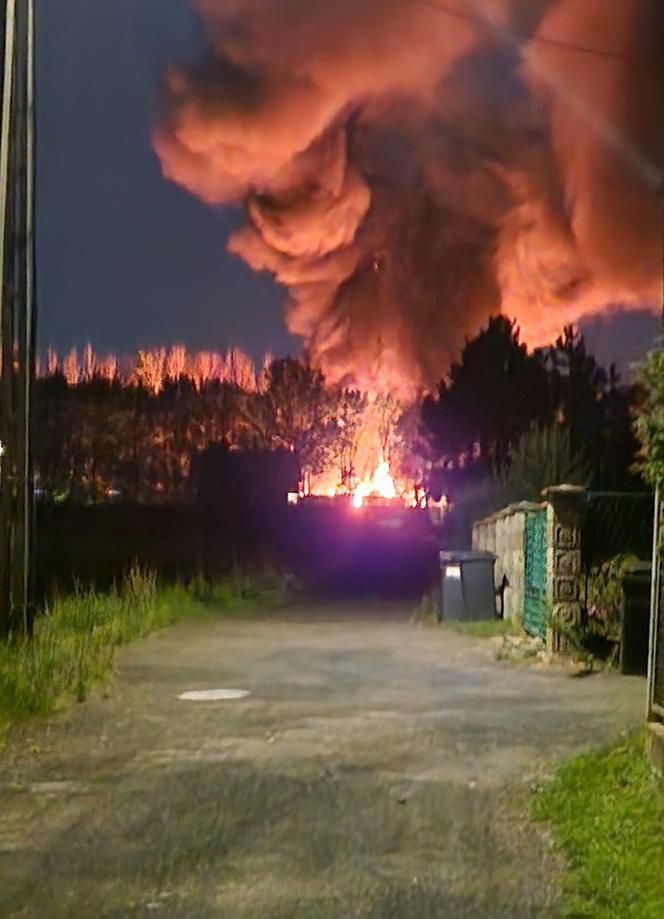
[(379, 484), (369, 466)]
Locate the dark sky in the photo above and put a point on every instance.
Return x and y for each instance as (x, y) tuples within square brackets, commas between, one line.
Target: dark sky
[(621, 337), (127, 259)]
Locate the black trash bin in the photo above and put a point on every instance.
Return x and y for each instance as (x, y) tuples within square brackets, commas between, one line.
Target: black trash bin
[(635, 625), (468, 591)]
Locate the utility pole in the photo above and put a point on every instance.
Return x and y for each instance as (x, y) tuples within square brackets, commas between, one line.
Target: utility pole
[(17, 318), (655, 596), (655, 699)]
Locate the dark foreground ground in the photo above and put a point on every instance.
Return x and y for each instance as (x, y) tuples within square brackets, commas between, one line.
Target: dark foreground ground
[(376, 770)]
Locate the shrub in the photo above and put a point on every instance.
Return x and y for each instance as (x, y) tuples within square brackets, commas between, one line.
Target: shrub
[(650, 420), (605, 598)]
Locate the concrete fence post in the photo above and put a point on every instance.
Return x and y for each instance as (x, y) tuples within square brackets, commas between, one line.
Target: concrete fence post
[(565, 511)]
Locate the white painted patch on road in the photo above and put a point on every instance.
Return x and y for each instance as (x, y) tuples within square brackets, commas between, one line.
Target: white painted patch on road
[(213, 695)]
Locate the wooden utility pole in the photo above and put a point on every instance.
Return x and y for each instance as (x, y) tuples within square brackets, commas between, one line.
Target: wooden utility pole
[(654, 706), (17, 318)]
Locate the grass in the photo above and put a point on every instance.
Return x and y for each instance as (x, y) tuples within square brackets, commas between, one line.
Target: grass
[(74, 640), (241, 590), (607, 814), (427, 611), (482, 628)]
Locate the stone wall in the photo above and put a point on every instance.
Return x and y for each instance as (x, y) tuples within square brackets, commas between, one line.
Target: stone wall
[(503, 535)]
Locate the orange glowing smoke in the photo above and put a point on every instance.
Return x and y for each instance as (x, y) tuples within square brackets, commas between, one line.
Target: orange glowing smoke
[(408, 170)]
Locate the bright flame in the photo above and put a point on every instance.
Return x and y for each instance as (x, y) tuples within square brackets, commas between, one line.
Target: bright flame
[(380, 484), (361, 472)]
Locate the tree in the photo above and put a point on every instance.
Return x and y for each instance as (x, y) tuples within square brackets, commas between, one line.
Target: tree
[(176, 362), (108, 368), (498, 391), (51, 362), (239, 370), (386, 411), (71, 368), (617, 464), (493, 394), (349, 412), (650, 417), (296, 411), (89, 369), (596, 408), (149, 370), (541, 457), (407, 451), (577, 384)]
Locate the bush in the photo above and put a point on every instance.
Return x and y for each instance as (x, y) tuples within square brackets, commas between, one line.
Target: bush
[(596, 633), (605, 598), (650, 420)]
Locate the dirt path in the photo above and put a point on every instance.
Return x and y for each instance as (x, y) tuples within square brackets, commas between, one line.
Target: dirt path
[(375, 770)]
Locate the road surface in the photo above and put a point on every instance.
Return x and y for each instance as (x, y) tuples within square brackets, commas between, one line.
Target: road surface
[(376, 769)]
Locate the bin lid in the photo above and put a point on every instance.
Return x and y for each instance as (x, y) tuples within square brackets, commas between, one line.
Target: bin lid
[(462, 556), (637, 568)]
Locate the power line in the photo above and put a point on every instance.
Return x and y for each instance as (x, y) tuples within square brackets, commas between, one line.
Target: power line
[(522, 37)]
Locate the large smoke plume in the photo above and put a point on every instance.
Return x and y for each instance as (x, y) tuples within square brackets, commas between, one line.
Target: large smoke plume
[(409, 170)]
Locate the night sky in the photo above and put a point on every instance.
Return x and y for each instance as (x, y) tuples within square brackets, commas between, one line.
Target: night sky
[(126, 258)]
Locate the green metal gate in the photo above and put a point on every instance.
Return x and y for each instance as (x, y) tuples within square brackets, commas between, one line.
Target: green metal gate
[(534, 594)]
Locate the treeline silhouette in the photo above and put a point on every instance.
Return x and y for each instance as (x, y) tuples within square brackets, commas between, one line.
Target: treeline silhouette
[(105, 433), (114, 454), (132, 437), (153, 368)]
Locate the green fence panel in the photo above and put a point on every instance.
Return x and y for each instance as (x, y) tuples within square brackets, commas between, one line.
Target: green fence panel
[(534, 600)]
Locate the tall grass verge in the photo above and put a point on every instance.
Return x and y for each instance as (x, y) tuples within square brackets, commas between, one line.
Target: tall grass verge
[(75, 638)]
